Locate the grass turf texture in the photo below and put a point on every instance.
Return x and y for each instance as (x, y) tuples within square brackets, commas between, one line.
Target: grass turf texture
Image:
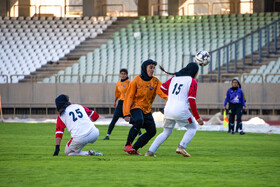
[(218, 159)]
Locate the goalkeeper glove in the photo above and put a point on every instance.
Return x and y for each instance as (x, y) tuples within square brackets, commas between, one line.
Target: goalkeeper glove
[(56, 150)]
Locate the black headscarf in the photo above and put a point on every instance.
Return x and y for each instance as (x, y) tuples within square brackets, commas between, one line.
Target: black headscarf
[(190, 70), (62, 102), (144, 65), (235, 88)]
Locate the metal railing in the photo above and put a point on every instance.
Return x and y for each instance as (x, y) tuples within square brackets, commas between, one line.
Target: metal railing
[(251, 74), (105, 79), (116, 5), (156, 5), (250, 46), (68, 75), (23, 6), (220, 3), (58, 6), (188, 6), (92, 75), (270, 74), (70, 6)]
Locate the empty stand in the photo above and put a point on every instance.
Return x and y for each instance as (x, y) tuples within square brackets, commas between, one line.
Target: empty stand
[(28, 43), (171, 41)]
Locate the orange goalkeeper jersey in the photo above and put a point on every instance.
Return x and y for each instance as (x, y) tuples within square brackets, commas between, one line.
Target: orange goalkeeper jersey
[(121, 88), (141, 94)]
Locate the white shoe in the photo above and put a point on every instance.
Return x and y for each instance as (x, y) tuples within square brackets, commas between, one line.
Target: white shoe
[(181, 150), (93, 153), (149, 153)]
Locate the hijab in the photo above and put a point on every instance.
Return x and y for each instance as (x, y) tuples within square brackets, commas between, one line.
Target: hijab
[(144, 74), (190, 70), (62, 102)]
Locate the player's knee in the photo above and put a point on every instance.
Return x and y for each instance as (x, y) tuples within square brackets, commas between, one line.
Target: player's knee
[(138, 124), (152, 133), (67, 152)]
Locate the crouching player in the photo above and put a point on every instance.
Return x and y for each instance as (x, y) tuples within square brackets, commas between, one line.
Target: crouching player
[(77, 120), (181, 90)]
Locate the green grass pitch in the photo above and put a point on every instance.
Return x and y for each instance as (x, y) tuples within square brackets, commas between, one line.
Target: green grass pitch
[(218, 159)]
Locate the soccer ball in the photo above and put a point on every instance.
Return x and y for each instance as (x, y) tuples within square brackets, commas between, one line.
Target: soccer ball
[(202, 58)]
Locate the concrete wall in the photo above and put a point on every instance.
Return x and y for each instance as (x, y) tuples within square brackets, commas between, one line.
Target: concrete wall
[(103, 94), (3, 8)]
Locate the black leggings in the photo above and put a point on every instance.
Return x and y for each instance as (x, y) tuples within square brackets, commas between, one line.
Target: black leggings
[(235, 109), (140, 120), (117, 114)]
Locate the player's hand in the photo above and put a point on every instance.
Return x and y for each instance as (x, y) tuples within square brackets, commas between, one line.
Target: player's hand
[(200, 121), (127, 118), (115, 105), (244, 110), (56, 150)]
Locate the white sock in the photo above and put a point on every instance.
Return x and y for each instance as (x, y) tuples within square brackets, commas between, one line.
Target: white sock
[(160, 139), (191, 130), (108, 135), (81, 153)]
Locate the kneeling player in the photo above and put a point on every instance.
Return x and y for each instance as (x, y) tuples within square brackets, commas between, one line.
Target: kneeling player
[(77, 119)]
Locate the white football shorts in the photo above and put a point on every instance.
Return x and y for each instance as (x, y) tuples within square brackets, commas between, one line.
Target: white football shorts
[(76, 144)]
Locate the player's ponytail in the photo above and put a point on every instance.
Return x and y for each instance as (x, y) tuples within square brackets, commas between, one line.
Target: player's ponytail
[(162, 69)]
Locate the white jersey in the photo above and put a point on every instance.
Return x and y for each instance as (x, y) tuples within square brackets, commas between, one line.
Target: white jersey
[(177, 106), (76, 120)]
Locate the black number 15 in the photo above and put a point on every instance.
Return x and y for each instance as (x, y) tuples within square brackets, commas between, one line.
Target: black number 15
[(178, 89), (79, 113)]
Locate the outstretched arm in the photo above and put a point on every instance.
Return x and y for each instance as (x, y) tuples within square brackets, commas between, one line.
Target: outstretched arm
[(160, 92), (165, 86), (58, 135), (57, 146)]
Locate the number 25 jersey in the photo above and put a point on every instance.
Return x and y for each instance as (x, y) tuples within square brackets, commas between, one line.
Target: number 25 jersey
[(77, 119), (179, 89)]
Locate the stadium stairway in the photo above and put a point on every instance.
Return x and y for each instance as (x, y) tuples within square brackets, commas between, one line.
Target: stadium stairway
[(85, 47), (247, 68)]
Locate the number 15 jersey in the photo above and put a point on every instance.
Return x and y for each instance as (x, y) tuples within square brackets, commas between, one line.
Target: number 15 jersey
[(180, 90)]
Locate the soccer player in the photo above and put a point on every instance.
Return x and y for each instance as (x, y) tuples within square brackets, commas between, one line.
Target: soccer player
[(181, 90), (121, 88), (137, 106), (77, 120), (235, 98)]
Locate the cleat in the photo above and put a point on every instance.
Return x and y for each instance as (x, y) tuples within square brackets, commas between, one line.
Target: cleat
[(133, 152), (181, 150), (232, 132), (106, 138), (242, 133), (127, 148), (93, 153), (149, 153)]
